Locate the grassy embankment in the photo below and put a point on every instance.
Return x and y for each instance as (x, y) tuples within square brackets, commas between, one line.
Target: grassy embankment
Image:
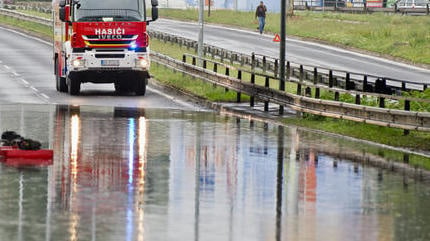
[(389, 136), (404, 37)]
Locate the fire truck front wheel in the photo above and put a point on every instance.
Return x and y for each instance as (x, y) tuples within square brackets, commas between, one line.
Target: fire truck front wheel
[(141, 86), (61, 83), (74, 85)]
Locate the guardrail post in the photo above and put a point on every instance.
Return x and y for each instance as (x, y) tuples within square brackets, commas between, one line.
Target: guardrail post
[(315, 76), (267, 85), (299, 89), (184, 58), (365, 83), (308, 91), (227, 72), (424, 87), (204, 64), (301, 73), (215, 69), (194, 60), (348, 83), (336, 96), (288, 70), (253, 61), (239, 77), (407, 108), (330, 79), (403, 86), (380, 85), (428, 9), (317, 93), (242, 60), (357, 99), (381, 102), (276, 70), (251, 99), (264, 64)]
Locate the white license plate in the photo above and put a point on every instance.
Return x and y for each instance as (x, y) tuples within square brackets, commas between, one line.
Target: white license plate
[(113, 62)]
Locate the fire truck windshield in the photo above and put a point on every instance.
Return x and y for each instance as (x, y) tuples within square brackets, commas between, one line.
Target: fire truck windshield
[(108, 10)]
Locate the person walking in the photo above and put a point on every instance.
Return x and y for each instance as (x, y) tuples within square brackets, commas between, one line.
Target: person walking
[(260, 13)]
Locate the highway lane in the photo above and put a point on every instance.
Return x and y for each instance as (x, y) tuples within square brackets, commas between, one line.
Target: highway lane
[(297, 51), (26, 76)]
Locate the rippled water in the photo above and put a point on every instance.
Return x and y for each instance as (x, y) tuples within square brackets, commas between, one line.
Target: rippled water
[(124, 174)]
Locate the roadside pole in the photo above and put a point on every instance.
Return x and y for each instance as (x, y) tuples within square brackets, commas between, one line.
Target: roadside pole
[(1, 3), (282, 51), (201, 21)]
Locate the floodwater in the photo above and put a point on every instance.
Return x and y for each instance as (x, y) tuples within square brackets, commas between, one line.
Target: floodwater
[(130, 174)]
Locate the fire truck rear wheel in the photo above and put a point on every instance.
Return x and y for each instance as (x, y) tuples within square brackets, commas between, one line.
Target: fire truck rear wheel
[(141, 86), (74, 86)]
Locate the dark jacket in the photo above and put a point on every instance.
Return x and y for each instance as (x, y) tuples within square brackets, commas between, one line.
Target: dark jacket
[(261, 11)]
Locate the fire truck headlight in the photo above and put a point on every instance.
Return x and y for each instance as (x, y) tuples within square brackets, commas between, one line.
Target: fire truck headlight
[(142, 63), (77, 63)]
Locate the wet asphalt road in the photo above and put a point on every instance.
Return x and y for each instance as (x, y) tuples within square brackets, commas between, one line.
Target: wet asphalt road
[(151, 174), (297, 51), (26, 76)]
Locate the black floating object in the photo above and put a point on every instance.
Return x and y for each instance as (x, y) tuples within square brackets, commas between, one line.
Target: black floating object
[(29, 144), (10, 136)]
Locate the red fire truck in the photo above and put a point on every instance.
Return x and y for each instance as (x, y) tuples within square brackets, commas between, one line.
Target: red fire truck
[(102, 42)]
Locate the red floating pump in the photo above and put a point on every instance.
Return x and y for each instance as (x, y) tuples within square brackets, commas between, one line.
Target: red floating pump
[(15, 157)]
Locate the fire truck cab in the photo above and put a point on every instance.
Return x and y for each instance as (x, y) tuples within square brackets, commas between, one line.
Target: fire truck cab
[(101, 42)]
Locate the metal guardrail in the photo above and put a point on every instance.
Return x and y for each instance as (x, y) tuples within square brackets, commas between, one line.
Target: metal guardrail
[(313, 74), (26, 17), (408, 120)]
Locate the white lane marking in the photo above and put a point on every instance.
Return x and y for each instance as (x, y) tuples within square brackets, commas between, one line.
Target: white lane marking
[(34, 89), (25, 82), (180, 102), (7, 67), (45, 96), (16, 74)]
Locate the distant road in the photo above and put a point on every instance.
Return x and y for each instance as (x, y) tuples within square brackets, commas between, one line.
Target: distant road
[(297, 51)]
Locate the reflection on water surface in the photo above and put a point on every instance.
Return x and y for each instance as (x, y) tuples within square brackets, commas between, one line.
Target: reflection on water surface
[(126, 174)]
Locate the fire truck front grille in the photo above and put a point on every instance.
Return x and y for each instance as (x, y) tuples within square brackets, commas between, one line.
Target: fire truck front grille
[(111, 56), (96, 37), (110, 42)]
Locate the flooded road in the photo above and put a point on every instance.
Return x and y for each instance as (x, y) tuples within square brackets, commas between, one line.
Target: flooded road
[(161, 174)]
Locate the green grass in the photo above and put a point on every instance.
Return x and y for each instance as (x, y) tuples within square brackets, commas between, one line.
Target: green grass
[(27, 26), (385, 135), (405, 37), (36, 13)]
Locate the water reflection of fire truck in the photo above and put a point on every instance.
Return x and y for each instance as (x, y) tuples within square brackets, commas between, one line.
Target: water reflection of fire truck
[(95, 166)]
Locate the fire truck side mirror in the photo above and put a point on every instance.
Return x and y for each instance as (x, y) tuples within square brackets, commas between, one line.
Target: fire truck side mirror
[(154, 13), (154, 10), (63, 14)]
